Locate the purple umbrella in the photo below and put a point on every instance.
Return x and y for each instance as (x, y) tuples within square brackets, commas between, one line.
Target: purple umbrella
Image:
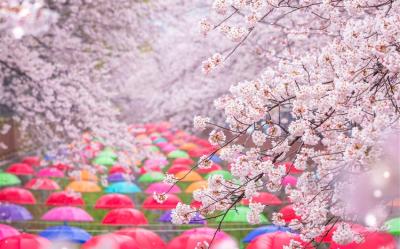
[(197, 219), (12, 212), (116, 177)]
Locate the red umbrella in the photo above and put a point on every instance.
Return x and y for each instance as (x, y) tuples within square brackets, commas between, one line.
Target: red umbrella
[(64, 198), (372, 240), (290, 168), (20, 169), (274, 240), (111, 241), (62, 166), (191, 240), (198, 152), (289, 214), (124, 216), (264, 198), (111, 201), (119, 169), (178, 168), (144, 239), (32, 161), (331, 228), (196, 204), (170, 203), (213, 167), (24, 241), (186, 161), (17, 195), (42, 184)]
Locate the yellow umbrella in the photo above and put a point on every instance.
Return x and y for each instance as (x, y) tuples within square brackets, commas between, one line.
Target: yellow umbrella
[(188, 146), (195, 186), (83, 186), (185, 176)]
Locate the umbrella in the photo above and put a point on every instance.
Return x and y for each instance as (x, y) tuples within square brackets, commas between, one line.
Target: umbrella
[(17, 196), (239, 214), (178, 154), (372, 240), (188, 176), (24, 241), (225, 174), (290, 168), (156, 162), (216, 159), (153, 148), (190, 241), (111, 201), (119, 169), (196, 204), (83, 186), (198, 152), (170, 203), (85, 175), (12, 212), (393, 226), (124, 216), (50, 172), (214, 167), (7, 179), (42, 184), (144, 239), (65, 233), (178, 168), (108, 152), (160, 140), (273, 240), (67, 214), (195, 186), (161, 187), (110, 241), (20, 169), (289, 214), (188, 146), (264, 198), (197, 219), (7, 231), (106, 161), (65, 198), (62, 166), (394, 203), (186, 161), (289, 180), (264, 230), (32, 160), (150, 177), (123, 188), (117, 177)]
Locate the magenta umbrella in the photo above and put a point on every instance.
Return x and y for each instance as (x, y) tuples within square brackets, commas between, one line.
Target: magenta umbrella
[(50, 172), (67, 214), (7, 231), (160, 187)]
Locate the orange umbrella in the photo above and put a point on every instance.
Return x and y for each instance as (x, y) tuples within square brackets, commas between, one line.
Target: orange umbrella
[(85, 175), (188, 146), (394, 203), (186, 176), (83, 186), (195, 186)]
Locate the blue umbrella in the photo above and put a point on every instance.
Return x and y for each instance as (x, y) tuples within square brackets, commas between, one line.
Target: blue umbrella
[(197, 219), (216, 159), (116, 177), (66, 233), (12, 212), (263, 230), (123, 188)]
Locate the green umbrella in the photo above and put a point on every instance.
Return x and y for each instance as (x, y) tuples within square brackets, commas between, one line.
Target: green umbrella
[(393, 226), (178, 154), (7, 179), (226, 174), (106, 161), (151, 177), (239, 215), (108, 152), (154, 148)]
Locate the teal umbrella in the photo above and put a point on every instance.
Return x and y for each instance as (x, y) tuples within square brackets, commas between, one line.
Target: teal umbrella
[(108, 152), (239, 215), (160, 140), (106, 161), (178, 154), (225, 174), (393, 226), (123, 188), (7, 179), (150, 177)]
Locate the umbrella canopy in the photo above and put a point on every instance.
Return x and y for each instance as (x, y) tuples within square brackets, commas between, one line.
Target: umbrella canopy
[(17, 196), (225, 174), (168, 148), (32, 160), (264, 198), (106, 161), (24, 241), (289, 214), (289, 180), (117, 177), (197, 219), (214, 167), (110, 241), (190, 241), (188, 146), (123, 188), (178, 168), (85, 175), (161, 187), (393, 226), (20, 169), (50, 172), (83, 186), (160, 140), (125, 216), (372, 240), (42, 184), (119, 169), (394, 203), (153, 163), (264, 230), (170, 203), (290, 168), (62, 166), (67, 214), (65, 233), (195, 186), (152, 176), (7, 179), (178, 154), (111, 201), (108, 152), (65, 198), (326, 236), (186, 161), (12, 212), (144, 239), (7, 231), (273, 240), (188, 176), (239, 215)]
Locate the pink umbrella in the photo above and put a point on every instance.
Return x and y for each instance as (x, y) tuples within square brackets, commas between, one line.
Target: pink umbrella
[(155, 162), (67, 214), (160, 187), (7, 231), (168, 148), (32, 160), (289, 180), (50, 172)]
